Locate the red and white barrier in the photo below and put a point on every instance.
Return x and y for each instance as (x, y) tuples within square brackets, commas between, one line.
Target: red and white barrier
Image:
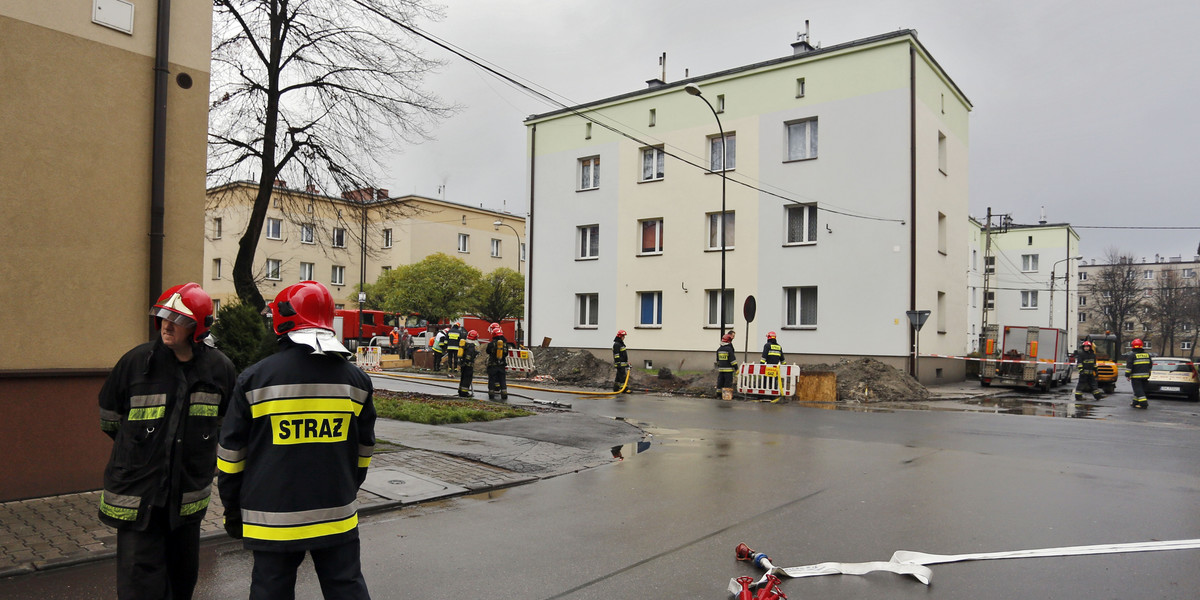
[(768, 380), (519, 360)]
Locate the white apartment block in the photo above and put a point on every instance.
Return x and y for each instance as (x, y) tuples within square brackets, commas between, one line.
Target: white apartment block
[(1025, 277), (845, 207), (310, 236)]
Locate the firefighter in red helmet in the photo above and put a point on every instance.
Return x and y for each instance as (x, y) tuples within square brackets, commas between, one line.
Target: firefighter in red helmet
[(1137, 371), (621, 362), (497, 363), (468, 350), (772, 353), (294, 450), (726, 363), (162, 404), (1086, 359)]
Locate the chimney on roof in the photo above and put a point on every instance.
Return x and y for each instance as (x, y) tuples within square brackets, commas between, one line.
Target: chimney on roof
[(279, 183), (802, 45), (311, 189), (661, 80), (1042, 220)]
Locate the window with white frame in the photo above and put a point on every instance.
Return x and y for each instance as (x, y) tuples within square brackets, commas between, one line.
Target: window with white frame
[(718, 226), (1029, 299), (941, 232), (522, 251), (495, 248), (800, 306), (800, 87), (387, 238), (216, 233), (1189, 273), (587, 310), (1083, 317), (1083, 300), (941, 152), (801, 224), (802, 139), (589, 173), (1128, 325), (216, 308), (339, 237), (1185, 345), (1029, 262), (464, 243), (337, 275), (1106, 294), (941, 312), (717, 307), (653, 160), (274, 229), (306, 271), (1083, 275), (1186, 326), (273, 267), (1147, 274), (989, 264), (989, 300), (717, 161), (587, 242), (650, 309), (652, 236), (307, 235), (216, 268)]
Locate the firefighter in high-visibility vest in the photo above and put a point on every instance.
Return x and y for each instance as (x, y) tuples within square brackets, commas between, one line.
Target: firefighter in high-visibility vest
[(453, 337), (726, 363), (497, 363), (1086, 359), (772, 353), (1137, 371), (467, 351), (294, 449), (439, 349), (621, 362)]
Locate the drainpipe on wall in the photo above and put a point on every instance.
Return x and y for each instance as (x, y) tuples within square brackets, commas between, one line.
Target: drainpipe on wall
[(159, 154), (912, 217), (529, 242)]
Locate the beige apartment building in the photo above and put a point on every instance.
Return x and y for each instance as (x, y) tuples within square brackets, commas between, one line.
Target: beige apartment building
[(311, 236), (1151, 275), (98, 217)]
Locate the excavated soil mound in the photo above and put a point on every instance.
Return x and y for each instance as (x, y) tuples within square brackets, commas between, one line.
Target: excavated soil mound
[(868, 380)]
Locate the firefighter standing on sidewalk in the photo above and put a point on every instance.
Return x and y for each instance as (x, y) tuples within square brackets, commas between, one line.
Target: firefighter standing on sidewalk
[(453, 338), (621, 362), (294, 449), (1086, 358), (497, 363), (162, 404), (772, 353), (726, 363), (1137, 371), (466, 362)]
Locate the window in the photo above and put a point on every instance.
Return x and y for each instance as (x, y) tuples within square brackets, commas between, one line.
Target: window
[(718, 161), (306, 271), (724, 307), (941, 230), (942, 152), (586, 309), (1147, 274), (989, 300), (1187, 273), (1106, 294), (718, 226), (652, 240), (387, 238), (1083, 317), (800, 306), (337, 275), (1128, 325), (217, 308), (720, 103), (1083, 300), (588, 238), (589, 173), (650, 309), (464, 242), (306, 234), (800, 87), (274, 229), (653, 116), (339, 237), (385, 268), (802, 139), (1029, 262), (216, 233), (989, 265), (216, 268), (1182, 345), (587, 131), (652, 164), (1083, 275), (495, 248), (801, 224), (1029, 299), (1186, 327), (522, 251), (273, 265)]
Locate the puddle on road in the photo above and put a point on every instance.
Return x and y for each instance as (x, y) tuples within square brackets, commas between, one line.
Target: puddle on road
[(623, 451), (1035, 407)]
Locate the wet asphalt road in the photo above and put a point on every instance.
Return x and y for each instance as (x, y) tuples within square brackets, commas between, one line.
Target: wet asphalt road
[(806, 485)]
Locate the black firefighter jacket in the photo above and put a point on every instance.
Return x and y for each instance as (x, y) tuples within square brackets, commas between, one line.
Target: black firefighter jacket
[(164, 417), (294, 449)]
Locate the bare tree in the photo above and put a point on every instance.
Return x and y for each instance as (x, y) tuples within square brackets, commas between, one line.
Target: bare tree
[(1190, 321), (1165, 308), (1117, 292), (313, 91)]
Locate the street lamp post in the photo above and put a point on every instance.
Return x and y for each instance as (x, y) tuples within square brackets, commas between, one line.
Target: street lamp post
[(1066, 313), (694, 90), (496, 225)]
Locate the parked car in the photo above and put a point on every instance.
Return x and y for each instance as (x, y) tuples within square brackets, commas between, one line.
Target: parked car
[(1174, 376)]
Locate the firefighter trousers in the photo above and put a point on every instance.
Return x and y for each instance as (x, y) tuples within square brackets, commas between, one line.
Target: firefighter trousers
[(464, 381), (338, 569), (497, 384), (159, 562), (1087, 385)]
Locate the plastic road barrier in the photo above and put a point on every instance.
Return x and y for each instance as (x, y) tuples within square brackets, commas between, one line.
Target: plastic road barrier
[(768, 380), (519, 361), (368, 358)]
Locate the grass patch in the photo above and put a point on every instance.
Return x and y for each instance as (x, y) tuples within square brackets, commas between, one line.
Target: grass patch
[(431, 410)]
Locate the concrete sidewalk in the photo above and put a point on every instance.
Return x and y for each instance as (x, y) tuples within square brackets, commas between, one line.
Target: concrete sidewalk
[(412, 463)]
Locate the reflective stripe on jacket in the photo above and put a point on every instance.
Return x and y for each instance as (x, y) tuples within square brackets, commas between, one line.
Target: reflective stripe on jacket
[(1138, 365), (620, 353), (772, 353), (726, 358)]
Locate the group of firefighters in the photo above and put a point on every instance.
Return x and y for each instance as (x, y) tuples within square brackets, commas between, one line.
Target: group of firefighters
[(772, 354), (460, 350), (1137, 371)]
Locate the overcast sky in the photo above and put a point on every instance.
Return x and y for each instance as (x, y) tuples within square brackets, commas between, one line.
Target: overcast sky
[(1086, 108)]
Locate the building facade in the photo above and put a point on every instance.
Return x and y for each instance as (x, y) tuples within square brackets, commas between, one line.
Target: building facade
[(1167, 280), (98, 217), (843, 205), (311, 236)]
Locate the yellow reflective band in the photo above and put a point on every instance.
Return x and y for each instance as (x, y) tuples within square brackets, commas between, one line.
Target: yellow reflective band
[(225, 466), (202, 410), (147, 414), (193, 507), (301, 532), (309, 428), (364, 462), (303, 405)]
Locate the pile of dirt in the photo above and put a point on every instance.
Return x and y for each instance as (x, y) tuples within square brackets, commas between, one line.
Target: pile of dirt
[(571, 366), (868, 380)]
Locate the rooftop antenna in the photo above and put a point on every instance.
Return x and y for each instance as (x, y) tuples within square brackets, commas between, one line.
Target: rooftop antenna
[(1042, 221), (662, 62)]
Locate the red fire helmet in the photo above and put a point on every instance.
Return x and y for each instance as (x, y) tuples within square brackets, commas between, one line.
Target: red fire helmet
[(1137, 343), (185, 304), (305, 305)]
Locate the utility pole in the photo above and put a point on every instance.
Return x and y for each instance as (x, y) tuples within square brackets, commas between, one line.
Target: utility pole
[(987, 251)]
